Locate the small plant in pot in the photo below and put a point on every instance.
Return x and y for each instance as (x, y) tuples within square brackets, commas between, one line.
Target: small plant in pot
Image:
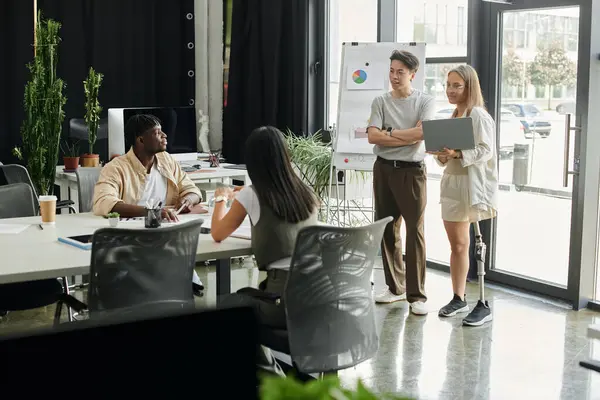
[(92, 115), (113, 219), (70, 155)]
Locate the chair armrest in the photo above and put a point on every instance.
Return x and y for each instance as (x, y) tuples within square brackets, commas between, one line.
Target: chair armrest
[(64, 203)]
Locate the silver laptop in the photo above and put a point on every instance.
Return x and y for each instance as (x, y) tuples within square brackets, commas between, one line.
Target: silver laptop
[(452, 133)]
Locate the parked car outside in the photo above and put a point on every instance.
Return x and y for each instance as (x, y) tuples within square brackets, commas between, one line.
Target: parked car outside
[(512, 131), (568, 107), (531, 118)]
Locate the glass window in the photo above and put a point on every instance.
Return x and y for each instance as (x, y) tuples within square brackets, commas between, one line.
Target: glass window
[(349, 21), (557, 92), (509, 21), (521, 21), (520, 39), (461, 25), (442, 24), (572, 42), (540, 92), (228, 14), (572, 25)]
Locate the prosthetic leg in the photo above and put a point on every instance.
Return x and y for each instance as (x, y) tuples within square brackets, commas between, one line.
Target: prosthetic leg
[(482, 312)]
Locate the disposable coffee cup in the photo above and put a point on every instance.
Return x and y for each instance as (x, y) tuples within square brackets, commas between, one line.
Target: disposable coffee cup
[(48, 209)]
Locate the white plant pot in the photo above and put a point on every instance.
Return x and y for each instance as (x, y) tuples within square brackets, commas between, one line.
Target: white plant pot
[(113, 222)]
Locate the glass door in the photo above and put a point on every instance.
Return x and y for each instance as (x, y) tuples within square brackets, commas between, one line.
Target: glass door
[(538, 144)]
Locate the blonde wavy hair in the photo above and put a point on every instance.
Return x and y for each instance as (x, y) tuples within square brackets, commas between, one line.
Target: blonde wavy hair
[(472, 87)]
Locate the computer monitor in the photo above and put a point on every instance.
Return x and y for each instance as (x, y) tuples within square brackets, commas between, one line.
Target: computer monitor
[(183, 354), (179, 123)]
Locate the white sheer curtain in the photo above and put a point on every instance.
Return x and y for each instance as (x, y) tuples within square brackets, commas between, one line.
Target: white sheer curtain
[(209, 68)]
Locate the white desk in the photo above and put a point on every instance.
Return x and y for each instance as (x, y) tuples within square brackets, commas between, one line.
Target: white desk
[(67, 181), (37, 254)]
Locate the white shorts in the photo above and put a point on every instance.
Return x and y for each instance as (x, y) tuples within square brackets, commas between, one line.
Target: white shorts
[(455, 201)]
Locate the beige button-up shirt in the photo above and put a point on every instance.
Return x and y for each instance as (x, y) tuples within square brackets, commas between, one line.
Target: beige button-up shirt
[(123, 180)]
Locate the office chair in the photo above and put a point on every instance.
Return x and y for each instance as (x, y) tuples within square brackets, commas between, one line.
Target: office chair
[(16, 201), (86, 180), (15, 173), (328, 300), (142, 271)]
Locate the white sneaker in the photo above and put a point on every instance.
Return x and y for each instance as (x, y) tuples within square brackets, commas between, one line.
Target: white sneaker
[(389, 297), (419, 308)]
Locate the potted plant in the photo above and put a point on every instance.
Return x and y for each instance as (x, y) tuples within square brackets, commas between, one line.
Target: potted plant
[(113, 219), (91, 87), (70, 155), (311, 158), (44, 102)]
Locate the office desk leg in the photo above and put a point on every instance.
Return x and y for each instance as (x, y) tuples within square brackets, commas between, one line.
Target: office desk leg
[(223, 276)]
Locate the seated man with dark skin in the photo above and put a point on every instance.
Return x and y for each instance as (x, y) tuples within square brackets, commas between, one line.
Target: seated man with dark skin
[(146, 175)]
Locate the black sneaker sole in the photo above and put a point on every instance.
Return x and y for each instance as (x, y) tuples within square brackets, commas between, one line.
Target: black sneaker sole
[(487, 318), (453, 313)]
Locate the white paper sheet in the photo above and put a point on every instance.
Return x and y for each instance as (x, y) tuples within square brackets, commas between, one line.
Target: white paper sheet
[(243, 232), (12, 229)]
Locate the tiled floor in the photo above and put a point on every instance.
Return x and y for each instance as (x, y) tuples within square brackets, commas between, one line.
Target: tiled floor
[(530, 351)]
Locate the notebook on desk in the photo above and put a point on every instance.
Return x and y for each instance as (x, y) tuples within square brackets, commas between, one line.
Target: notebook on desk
[(83, 242)]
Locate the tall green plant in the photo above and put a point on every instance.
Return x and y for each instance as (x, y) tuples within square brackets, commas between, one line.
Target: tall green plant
[(44, 102), (92, 106)]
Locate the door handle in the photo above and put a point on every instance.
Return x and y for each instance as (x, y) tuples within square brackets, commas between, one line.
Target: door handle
[(566, 172), (316, 68)]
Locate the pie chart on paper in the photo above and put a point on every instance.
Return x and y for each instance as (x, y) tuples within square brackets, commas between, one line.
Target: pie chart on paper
[(359, 76)]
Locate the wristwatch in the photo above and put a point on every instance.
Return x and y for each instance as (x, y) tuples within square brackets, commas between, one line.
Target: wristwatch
[(219, 199), (389, 131)]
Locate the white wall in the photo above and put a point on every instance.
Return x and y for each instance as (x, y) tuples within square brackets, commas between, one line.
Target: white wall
[(209, 65)]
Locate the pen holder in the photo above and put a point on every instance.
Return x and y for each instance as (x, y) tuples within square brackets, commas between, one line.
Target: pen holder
[(153, 218)]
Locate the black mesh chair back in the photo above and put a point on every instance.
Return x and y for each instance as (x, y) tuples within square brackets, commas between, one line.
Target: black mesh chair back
[(15, 173), (142, 271), (86, 180), (328, 297), (16, 201)]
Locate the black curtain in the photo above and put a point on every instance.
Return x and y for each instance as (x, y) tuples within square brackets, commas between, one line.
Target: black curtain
[(16, 39), (144, 48), (268, 72)]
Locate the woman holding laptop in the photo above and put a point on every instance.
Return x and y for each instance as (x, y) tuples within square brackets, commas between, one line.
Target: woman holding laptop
[(468, 192)]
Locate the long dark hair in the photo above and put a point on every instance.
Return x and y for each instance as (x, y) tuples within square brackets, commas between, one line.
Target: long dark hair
[(275, 182)]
